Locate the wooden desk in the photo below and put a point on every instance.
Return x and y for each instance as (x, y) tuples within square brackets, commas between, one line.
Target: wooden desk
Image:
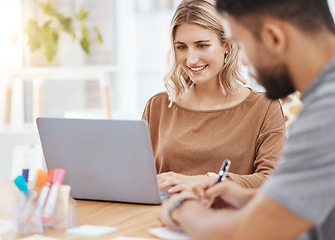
[(132, 220)]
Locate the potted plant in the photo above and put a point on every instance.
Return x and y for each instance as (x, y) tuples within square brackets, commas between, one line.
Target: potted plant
[(46, 36)]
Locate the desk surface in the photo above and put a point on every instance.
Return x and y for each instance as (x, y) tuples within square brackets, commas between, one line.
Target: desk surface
[(132, 220)]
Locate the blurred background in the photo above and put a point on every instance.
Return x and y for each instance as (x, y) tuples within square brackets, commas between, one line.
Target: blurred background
[(135, 40), (80, 59)]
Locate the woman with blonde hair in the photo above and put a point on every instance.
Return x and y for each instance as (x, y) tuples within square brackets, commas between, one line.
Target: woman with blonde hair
[(207, 114)]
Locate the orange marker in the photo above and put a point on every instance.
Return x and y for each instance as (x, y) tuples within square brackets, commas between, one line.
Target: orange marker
[(39, 182), (44, 193), (40, 179)]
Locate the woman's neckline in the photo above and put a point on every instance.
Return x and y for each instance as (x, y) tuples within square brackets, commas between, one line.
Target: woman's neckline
[(219, 109)]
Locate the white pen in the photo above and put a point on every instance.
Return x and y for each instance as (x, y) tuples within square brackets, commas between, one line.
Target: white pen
[(57, 180), (43, 194)]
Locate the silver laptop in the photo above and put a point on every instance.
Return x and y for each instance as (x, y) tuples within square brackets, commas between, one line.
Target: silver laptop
[(109, 160)]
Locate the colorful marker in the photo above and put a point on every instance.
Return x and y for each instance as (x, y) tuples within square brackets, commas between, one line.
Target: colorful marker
[(57, 180), (44, 193), (22, 185), (40, 179), (25, 174)]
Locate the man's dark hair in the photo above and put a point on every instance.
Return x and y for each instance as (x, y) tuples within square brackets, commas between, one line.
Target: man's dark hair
[(307, 15)]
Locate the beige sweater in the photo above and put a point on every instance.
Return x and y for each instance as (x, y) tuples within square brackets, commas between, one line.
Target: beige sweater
[(194, 142)]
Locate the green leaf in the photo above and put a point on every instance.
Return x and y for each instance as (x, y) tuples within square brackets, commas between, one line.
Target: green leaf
[(33, 32), (51, 47), (48, 9), (46, 25), (82, 14), (58, 19), (84, 31), (85, 44), (99, 37), (49, 37), (48, 34), (66, 26)]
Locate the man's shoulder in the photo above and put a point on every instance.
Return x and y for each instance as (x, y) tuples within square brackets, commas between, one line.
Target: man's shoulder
[(323, 86)]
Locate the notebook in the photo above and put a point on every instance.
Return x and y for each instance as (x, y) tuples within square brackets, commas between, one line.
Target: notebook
[(108, 160)]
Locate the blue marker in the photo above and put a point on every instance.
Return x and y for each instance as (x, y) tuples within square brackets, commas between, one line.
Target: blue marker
[(25, 174), (22, 185)]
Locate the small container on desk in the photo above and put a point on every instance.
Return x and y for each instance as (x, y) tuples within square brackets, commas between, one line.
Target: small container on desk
[(47, 205)]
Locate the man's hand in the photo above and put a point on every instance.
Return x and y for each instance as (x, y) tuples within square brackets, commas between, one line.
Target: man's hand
[(178, 182), (246, 215), (164, 216), (224, 194)]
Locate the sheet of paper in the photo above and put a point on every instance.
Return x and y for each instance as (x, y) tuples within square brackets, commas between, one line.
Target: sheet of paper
[(131, 238), (89, 230), (5, 226), (166, 233), (38, 237)]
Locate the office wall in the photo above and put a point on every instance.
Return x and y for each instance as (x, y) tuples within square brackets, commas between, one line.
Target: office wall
[(136, 38), (135, 34)]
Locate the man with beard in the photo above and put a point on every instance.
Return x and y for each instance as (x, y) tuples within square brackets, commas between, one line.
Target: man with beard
[(289, 45)]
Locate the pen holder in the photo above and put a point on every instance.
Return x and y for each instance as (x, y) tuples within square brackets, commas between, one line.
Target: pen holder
[(27, 215), (26, 219), (64, 214)]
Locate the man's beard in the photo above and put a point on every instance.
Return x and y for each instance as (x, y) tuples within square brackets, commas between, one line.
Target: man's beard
[(276, 81)]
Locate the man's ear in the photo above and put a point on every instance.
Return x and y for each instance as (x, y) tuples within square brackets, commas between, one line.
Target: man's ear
[(274, 38)]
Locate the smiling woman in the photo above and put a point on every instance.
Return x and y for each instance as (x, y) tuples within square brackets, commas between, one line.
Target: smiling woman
[(200, 53), (207, 114)]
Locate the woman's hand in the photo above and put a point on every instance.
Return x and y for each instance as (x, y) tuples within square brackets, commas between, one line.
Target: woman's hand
[(178, 182)]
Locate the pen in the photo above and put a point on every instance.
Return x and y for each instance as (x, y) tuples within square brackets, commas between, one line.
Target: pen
[(21, 184), (40, 179), (25, 174), (57, 180), (44, 193), (223, 171)]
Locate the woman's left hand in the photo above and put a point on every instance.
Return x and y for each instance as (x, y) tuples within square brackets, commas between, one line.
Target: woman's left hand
[(178, 182)]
